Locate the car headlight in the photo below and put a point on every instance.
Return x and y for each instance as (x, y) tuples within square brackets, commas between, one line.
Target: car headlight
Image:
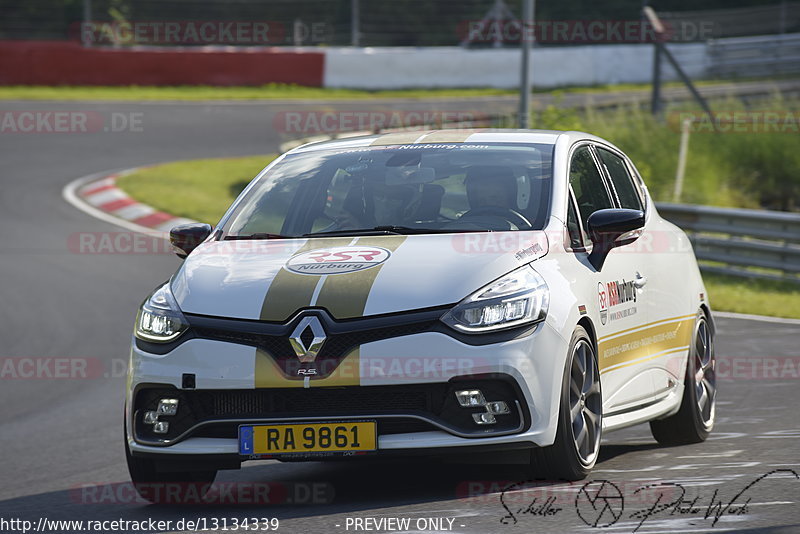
[(159, 318), (518, 298)]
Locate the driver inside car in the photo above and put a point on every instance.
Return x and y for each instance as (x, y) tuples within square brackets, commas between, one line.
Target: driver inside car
[(390, 203), (491, 186), (375, 204)]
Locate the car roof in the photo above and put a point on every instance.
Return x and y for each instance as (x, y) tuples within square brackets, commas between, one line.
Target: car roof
[(451, 136)]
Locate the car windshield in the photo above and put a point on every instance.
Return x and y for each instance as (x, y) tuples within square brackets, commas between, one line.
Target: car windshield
[(424, 188)]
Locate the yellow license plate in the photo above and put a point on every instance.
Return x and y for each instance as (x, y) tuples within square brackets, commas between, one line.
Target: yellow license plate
[(301, 438)]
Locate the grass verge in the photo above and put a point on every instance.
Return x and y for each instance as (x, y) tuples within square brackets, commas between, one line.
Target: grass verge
[(202, 92), (759, 297), (277, 91), (752, 165), (198, 189)]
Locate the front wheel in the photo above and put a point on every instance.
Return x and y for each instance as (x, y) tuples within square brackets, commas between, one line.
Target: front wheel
[(580, 417), (695, 418), (167, 487)]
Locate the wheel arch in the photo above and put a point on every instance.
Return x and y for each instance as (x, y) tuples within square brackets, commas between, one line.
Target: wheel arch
[(707, 310), (588, 325)]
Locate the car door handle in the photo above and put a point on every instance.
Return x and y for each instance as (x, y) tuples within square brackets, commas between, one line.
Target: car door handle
[(640, 281)]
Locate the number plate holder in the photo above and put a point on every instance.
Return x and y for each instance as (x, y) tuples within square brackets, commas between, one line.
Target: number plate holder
[(329, 437)]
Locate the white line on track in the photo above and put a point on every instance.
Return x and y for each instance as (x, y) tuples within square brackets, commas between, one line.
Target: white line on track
[(721, 454), (762, 318)]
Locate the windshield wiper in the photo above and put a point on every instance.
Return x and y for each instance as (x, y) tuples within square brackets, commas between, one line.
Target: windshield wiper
[(392, 230), (260, 235)]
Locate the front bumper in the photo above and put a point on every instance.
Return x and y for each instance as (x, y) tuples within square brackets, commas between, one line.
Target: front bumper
[(405, 383)]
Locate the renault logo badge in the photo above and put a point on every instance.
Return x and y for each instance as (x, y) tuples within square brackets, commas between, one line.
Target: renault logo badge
[(307, 339)]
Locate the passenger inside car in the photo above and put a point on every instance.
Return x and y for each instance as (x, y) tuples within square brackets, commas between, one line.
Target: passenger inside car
[(492, 194)]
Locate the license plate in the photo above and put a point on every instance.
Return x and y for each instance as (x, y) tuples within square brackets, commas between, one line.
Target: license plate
[(299, 438)]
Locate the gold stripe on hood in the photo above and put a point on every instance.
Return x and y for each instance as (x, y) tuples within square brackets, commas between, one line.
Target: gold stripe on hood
[(290, 291), (398, 138), (448, 136), (345, 295)]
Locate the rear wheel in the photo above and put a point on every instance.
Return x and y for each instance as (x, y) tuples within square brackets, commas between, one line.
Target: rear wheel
[(159, 487), (580, 417), (695, 419)]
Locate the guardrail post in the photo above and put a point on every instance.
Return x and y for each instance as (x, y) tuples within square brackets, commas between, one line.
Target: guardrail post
[(682, 155), (525, 67), (87, 20), (355, 23)]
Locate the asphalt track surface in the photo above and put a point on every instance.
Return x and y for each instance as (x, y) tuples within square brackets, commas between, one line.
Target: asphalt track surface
[(60, 436)]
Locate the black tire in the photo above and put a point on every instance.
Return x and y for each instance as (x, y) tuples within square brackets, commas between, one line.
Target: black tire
[(695, 418), (157, 487), (581, 410)]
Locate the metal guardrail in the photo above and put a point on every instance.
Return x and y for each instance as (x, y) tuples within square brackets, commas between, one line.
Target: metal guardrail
[(750, 243), (755, 56)]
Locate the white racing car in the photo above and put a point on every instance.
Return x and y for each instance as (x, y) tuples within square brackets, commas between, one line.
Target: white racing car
[(432, 292)]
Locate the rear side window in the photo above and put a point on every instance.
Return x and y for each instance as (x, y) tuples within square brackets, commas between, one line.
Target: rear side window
[(587, 183), (626, 191)]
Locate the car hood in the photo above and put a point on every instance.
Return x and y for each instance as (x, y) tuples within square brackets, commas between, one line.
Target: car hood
[(351, 277)]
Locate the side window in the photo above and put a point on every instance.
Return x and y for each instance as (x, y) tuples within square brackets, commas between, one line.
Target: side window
[(587, 183), (621, 179), (574, 226)]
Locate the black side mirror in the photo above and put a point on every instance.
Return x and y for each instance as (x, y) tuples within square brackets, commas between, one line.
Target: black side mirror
[(186, 237), (608, 229)]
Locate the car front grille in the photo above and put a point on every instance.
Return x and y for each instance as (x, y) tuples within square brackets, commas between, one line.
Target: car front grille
[(299, 401), (341, 337), (434, 406), (336, 346)]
